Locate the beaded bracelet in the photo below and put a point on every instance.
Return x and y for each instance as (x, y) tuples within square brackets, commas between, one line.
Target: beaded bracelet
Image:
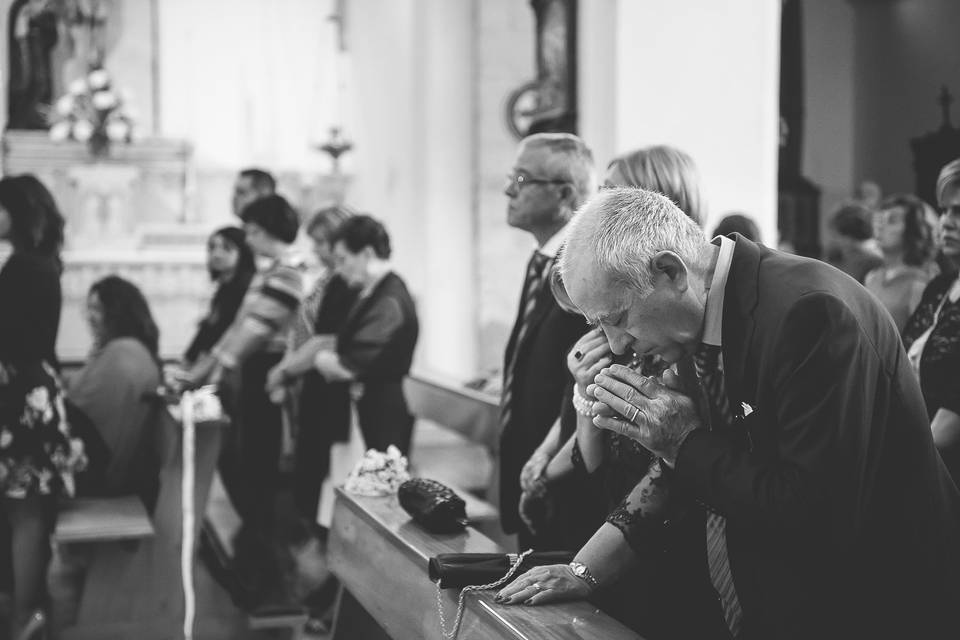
[(581, 404)]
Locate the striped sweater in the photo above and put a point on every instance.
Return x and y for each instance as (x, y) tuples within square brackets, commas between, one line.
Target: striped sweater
[(268, 309)]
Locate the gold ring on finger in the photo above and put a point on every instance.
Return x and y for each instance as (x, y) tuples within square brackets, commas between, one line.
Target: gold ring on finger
[(636, 412)]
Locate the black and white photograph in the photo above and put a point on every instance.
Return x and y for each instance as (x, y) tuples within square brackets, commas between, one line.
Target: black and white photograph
[(479, 319)]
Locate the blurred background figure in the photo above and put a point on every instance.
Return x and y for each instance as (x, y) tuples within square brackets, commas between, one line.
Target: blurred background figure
[(375, 343), (252, 345), (905, 239), (38, 453), (231, 267), (737, 223), (853, 248), (932, 334), (112, 389), (251, 184)]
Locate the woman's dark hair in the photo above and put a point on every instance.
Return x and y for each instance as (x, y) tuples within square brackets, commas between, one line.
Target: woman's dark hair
[(363, 231), (853, 221), (36, 225), (236, 238), (274, 215), (738, 223), (126, 313), (917, 232)]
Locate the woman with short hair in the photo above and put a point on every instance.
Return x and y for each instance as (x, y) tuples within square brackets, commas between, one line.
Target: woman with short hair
[(905, 239), (932, 334)]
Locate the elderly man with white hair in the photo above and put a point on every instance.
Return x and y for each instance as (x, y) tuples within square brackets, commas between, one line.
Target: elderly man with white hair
[(804, 435)]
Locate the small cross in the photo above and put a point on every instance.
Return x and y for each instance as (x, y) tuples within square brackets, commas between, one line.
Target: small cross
[(945, 100)]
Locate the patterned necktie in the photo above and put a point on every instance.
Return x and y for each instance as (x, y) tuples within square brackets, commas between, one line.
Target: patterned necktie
[(531, 287), (707, 360)]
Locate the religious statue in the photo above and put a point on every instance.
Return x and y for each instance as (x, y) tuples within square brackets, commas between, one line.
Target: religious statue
[(32, 35)]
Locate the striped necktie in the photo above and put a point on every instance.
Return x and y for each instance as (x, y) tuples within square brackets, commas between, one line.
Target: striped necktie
[(531, 287), (707, 360)]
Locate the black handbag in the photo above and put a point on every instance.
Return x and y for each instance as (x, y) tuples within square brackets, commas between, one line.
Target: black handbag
[(458, 570), (433, 505)]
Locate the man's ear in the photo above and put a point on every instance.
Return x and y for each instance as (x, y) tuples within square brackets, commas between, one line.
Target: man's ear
[(668, 267)]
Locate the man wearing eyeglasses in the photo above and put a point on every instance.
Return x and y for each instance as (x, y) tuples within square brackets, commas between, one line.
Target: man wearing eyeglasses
[(551, 177)]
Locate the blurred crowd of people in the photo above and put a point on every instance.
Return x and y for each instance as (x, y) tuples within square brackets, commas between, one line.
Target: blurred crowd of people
[(291, 342)]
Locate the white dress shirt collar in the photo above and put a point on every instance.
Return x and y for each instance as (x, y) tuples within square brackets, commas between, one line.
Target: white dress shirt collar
[(713, 315)]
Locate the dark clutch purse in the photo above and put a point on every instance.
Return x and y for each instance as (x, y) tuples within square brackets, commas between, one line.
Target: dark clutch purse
[(433, 505), (458, 570)]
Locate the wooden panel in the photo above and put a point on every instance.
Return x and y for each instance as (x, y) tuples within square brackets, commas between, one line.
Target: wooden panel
[(139, 582), (101, 519), (471, 413), (381, 556)]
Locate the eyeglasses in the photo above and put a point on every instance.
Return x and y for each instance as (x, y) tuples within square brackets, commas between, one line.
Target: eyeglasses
[(520, 179)]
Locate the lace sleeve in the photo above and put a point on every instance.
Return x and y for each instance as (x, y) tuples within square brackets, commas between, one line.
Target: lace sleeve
[(643, 514)]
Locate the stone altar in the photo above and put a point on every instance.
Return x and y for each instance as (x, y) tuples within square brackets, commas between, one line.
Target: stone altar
[(126, 214)]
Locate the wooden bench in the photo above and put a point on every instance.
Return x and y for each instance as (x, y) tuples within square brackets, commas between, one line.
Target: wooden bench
[(380, 557), (475, 416), (134, 590), (101, 520)]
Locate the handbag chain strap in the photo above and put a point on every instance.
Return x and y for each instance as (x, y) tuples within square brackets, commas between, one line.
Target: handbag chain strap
[(452, 634)]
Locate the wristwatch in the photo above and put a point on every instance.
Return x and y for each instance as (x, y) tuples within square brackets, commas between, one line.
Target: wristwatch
[(581, 571)]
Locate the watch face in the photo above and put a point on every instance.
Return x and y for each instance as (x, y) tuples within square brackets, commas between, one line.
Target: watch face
[(578, 569)]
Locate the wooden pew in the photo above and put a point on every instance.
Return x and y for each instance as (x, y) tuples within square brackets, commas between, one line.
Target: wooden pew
[(133, 589), (380, 557), (473, 414)]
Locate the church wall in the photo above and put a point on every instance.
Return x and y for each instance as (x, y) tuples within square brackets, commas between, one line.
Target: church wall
[(504, 60), (702, 77), (828, 149), (904, 52)]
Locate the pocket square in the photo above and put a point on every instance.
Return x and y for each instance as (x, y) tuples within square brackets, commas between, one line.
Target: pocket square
[(747, 408)]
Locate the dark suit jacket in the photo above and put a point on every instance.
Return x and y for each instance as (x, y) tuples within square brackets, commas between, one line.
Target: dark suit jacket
[(540, 377), (841, 519)]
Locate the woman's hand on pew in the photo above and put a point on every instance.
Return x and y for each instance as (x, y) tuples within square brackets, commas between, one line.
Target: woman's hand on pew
[(543, 585)]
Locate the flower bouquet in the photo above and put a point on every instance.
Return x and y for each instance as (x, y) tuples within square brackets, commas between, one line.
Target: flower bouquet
[(378, 473), (92, 111)]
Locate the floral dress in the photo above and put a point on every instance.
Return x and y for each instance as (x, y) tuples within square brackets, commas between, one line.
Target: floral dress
[(38, 456)]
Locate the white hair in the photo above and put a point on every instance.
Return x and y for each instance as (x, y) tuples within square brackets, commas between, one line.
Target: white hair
[(624, 228)]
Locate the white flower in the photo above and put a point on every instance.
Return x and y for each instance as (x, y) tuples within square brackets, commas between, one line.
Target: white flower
[(118, 130), (39, 399), (60, 131), (104, 100), (5, 439), (78, 86), (65, 105), (98, 79), (82, 130)]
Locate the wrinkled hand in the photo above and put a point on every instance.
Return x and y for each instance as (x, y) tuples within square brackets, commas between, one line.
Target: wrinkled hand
[(662, 416), (542, 585), (594, 354)]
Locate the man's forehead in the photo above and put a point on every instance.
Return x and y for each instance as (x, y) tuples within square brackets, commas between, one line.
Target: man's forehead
[(592, 290)]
